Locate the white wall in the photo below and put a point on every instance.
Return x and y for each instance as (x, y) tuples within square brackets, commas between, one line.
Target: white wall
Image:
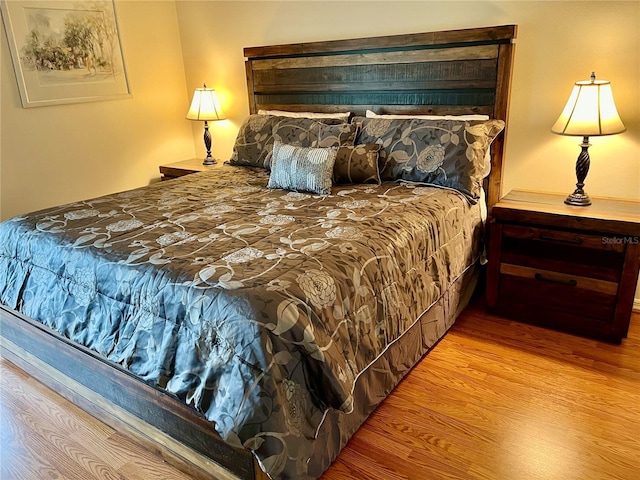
[(58, 154)]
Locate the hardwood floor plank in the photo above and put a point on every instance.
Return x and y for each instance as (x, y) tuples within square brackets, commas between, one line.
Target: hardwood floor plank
[(59, 427), (144, 464), (494, 400), (44, 436), (18, 460), (517, 401), (66, 416)]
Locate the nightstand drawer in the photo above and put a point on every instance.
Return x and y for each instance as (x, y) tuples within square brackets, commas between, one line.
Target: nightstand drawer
[(561, 292), (560, 320), (563, 252)]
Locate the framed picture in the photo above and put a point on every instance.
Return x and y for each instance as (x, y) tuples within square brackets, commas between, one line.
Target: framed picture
[(65, 51)]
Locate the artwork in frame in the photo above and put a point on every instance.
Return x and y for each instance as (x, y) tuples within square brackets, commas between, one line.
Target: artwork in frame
[(65, 51)]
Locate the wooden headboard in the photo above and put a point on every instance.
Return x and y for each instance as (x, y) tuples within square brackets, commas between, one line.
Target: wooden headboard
[(450, 72)]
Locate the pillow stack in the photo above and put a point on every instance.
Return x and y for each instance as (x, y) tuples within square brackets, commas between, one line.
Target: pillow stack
[(308, 151)]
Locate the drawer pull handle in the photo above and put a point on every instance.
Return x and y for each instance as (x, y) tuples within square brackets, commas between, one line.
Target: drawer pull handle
[(542, 278), (572, 241)]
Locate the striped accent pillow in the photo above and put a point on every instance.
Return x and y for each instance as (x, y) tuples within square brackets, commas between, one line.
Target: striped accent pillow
[(304, 169)]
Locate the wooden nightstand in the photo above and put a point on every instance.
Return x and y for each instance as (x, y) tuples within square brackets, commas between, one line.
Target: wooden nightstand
[(565, 267), (186, 167)]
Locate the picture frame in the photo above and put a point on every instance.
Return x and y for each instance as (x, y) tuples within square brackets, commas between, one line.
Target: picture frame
[(66, 51)]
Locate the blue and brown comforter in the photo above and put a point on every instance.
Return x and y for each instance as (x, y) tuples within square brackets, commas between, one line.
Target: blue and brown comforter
[(260, 308)]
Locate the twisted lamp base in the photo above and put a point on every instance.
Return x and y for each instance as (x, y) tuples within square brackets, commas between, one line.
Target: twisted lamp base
[(579, 197), (209, 160)]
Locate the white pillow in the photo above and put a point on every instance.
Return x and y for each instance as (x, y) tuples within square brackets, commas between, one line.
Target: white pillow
[(486, 170), (370, 114), (318, 115)]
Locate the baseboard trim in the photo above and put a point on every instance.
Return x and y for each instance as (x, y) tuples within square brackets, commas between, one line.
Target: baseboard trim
[(636, 305)]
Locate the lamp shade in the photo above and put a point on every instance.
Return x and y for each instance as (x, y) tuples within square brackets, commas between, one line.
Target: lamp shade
[(205, 105), (590, 111)]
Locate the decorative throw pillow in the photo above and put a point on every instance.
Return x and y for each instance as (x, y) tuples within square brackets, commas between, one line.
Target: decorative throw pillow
[(257, 135), (449, 153), (357, 164), (304, 169)]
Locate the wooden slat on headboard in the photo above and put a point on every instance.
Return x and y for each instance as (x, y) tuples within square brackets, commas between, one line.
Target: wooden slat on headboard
[(450, 72)]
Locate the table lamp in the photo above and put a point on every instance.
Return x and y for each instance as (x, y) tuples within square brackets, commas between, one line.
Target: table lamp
[(590, 111), (205, 106)]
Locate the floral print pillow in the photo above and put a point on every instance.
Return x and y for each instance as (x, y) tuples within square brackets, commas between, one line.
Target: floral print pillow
[(449, 153), (357, 164), (254, 143)]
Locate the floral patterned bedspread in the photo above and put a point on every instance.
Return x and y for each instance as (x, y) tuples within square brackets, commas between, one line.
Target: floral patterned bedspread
[(258, 307)]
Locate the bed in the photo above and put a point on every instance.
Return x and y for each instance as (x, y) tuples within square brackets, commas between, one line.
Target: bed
[(246, 328)]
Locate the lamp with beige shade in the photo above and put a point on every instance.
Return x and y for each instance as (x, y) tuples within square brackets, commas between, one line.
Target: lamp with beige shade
[(590, 111)]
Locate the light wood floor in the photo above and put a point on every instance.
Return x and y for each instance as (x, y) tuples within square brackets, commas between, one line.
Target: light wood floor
[(493, 400)]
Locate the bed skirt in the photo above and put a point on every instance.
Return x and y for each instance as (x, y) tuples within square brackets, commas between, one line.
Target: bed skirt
[(396, 361)]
